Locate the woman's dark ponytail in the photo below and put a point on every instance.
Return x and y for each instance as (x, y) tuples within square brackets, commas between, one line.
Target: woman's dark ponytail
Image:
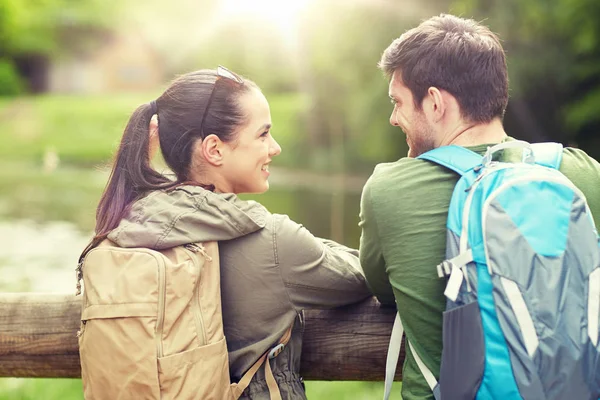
[(131, 176)]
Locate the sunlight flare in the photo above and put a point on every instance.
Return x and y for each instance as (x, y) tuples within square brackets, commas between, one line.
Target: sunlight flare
[(283, 14)]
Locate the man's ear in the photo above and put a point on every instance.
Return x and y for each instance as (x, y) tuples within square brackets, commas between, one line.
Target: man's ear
[(212, 149), (434, 104)]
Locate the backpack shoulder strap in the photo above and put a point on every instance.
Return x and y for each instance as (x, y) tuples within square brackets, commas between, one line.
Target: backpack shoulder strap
[(456, 158), (274, 393), (392, 361), (392, 356), (548, 154)]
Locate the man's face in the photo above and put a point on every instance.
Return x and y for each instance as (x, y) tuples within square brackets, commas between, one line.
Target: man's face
[(419, 133)]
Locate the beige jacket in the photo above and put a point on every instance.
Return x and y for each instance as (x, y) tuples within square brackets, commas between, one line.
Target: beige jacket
[(271, 270)]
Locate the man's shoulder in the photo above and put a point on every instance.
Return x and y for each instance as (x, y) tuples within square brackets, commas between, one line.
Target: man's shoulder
[(407, 173), (575, 158), (402, 171), (584, 172), (408, 184), (581, 169)]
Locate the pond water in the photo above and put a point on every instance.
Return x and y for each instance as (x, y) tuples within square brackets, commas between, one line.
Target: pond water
[(39, 257), (39, 253)]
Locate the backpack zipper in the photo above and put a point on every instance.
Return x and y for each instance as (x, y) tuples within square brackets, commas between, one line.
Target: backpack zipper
[(464, 236), (200, 327), (162, 293)]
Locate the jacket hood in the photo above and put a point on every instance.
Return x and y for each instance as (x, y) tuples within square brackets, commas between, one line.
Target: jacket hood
[(187, 214)]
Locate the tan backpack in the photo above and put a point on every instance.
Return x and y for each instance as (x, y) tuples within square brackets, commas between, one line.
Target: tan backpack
[(152, 327)]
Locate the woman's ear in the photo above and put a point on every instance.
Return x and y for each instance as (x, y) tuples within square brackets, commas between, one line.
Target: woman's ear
[(212, 149)]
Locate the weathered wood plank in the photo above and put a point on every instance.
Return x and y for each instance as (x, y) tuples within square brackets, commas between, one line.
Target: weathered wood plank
[(38, 335), (348, 343), (38, 339)]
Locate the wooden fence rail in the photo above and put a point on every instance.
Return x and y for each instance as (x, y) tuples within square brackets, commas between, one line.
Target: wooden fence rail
[(38, 339)]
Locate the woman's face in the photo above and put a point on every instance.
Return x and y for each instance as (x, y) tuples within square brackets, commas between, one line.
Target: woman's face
[(246, 161)]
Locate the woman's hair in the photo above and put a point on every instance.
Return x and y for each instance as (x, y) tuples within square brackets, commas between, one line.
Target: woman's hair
[(192, 107)]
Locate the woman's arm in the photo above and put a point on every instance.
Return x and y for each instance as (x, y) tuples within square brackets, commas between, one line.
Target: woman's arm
[(317, 273)]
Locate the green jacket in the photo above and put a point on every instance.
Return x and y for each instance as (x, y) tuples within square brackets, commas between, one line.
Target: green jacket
[(404, 209), (271, 270)]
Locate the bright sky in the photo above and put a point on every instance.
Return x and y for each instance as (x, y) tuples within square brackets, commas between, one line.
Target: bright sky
[(281, 13)]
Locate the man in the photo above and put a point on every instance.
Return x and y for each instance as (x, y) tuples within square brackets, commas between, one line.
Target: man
[(448, 85)]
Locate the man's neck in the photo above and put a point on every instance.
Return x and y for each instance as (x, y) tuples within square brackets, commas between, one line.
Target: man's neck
[(475, 134)]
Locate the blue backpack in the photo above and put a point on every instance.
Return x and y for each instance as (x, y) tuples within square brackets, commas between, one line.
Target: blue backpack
[(523, 293)]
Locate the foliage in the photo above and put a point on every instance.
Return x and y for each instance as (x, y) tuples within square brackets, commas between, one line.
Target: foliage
[(52, 26), (554, 62), (347, 126), (332, 61), (10, 81), (553, 51)]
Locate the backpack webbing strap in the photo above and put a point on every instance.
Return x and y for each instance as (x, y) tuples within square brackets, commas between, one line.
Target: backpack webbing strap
[(392, 356), (456, 158), (392, 361), (79, 270), (548, 154), (274, 393)]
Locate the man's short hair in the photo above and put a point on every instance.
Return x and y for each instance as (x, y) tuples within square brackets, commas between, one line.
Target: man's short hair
[(458, 55)]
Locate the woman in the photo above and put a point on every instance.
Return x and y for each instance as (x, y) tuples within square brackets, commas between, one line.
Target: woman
[(214, 132)]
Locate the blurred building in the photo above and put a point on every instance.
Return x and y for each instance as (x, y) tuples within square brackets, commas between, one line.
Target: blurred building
[(122, 62)]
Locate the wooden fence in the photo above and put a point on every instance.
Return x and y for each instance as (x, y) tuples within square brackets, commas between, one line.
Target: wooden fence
[(38, 339)]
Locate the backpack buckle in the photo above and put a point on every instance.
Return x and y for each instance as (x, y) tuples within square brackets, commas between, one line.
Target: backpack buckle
[(79, 277), (275, 351)]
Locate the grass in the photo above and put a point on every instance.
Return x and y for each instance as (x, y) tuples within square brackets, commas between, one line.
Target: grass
[(82, 130), (71, 389), (40, 388), (350, 390), (85, 130)]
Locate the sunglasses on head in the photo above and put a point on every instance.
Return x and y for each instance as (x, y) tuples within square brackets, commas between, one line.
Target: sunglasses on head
[(222, 72), (225, 73)]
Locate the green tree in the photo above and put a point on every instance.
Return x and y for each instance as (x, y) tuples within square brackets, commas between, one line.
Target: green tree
[(43, 29), (553, 48), (349, 114), (52, 26)]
